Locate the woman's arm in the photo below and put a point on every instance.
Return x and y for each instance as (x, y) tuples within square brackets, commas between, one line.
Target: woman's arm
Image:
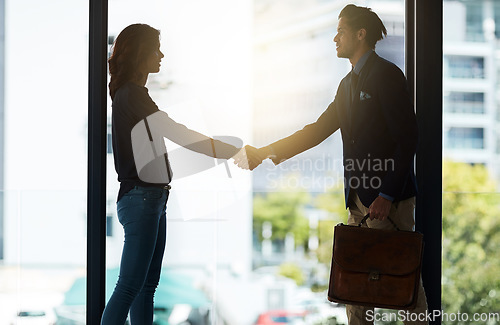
[(162, 125)]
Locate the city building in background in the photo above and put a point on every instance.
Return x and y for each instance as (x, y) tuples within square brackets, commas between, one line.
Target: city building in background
[(471, 62)]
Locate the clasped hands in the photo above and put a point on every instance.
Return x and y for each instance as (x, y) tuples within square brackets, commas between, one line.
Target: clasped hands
[(250, 157)]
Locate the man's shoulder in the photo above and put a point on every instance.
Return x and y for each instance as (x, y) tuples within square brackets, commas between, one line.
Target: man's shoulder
[(345, 79), (381, 68), (383, 65)]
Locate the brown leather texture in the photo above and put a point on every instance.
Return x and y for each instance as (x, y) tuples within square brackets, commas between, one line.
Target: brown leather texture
[(376, 268)]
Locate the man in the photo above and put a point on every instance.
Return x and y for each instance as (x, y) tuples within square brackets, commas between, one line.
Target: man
[(373, 110)]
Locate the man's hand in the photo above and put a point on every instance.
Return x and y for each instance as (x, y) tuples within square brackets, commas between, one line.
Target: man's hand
[(249, 157), (380, 208)]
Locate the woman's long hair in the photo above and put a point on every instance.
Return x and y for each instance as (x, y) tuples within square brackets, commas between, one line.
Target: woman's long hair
[(132, 47)]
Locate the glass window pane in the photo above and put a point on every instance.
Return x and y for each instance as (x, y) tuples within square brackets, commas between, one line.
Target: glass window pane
[(472, 138), (44, 160), (462, 66), (464, 102), (271, 72), (471, 159), (474, 22), (203, 83), (297, 203)]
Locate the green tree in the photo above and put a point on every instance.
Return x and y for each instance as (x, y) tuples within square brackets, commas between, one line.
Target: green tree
[(471, 241), (292, 271), (284, 210)]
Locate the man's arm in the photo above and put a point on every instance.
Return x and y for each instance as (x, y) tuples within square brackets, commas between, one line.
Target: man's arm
[(397, 110), (399, 115), (310, 136)]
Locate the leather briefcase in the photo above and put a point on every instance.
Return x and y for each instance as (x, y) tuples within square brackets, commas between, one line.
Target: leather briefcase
[(376, 268)]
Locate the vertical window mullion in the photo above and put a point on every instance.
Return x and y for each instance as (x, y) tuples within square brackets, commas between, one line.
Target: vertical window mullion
[(425, 74), (97, 134)]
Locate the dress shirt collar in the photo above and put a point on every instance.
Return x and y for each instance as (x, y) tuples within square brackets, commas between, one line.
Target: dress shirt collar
[(361, 62)]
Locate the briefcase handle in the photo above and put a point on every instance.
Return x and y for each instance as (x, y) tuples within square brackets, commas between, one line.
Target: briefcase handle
[(368, 215)]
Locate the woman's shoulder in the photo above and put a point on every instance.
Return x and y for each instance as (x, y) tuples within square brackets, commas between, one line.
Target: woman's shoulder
[(130, 92), (130, 88), (135, 97)]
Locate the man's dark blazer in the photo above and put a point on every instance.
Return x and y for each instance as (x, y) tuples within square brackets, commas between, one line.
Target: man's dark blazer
[(379, 133)]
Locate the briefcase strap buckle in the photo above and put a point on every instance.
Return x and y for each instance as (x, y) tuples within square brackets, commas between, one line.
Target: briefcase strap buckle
[(374, 276)]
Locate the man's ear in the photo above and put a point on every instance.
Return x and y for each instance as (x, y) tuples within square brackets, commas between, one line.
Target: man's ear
[(361, 34)]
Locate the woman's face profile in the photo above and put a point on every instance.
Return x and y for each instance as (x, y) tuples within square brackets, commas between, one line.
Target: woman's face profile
[(152, 63)]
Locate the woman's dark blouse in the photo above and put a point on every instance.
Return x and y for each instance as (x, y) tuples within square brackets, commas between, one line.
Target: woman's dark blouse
[(131, 104)]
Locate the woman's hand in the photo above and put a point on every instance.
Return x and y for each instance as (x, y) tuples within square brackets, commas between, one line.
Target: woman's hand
[(249, 157)]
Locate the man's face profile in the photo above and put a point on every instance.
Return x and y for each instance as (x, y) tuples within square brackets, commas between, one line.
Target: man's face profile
[(345, 40)]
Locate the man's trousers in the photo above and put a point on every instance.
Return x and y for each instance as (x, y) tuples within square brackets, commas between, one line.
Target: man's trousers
[(402, 213)]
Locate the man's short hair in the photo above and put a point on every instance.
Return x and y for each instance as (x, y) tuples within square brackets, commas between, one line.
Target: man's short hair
[(363, 17)]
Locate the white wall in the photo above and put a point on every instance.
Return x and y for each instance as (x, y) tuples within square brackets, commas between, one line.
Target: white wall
[(46, 128)]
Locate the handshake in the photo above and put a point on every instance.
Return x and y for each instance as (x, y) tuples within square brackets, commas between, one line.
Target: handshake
[(250, 157)]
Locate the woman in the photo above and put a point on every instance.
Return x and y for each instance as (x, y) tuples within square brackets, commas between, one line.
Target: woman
[(141, 200)]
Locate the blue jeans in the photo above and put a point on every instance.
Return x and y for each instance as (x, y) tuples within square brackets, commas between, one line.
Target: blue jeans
[(141, 211)]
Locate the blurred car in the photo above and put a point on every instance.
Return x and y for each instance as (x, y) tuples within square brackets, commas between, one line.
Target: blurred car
[(319, 309), (278, 317), (34, 317)]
